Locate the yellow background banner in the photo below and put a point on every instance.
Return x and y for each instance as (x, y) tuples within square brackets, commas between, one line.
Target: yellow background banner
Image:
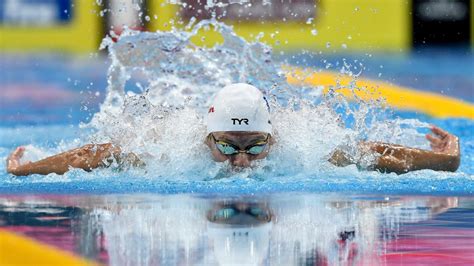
[(81, 35), (355, 24)]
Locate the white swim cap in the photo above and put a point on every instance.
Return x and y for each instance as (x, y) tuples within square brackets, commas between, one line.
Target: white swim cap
[(239, 107), (242, 245)]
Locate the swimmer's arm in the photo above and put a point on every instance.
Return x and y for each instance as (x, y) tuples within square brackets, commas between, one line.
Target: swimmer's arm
[(399, 159), (88, 157), (444, 156)]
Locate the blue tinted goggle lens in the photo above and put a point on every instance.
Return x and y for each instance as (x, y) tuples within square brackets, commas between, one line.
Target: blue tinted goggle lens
[(224, 214), (257, 149), (226, 149)]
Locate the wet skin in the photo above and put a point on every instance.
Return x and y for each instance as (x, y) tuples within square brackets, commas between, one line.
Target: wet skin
[(444, 156)]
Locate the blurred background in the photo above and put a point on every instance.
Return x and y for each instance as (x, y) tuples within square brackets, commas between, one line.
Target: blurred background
[(51, 69)]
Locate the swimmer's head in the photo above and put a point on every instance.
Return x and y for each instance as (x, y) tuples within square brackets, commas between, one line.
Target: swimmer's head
[(238, 125), (240, 232), (239, 107)]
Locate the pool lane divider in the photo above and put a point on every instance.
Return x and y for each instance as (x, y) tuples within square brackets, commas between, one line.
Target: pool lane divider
[(398, 97), (20, 250)]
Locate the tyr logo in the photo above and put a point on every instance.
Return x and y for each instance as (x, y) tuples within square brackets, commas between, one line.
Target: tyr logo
[(236, 120)]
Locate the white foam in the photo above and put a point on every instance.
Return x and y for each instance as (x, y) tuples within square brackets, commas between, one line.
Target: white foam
[(164, 119)]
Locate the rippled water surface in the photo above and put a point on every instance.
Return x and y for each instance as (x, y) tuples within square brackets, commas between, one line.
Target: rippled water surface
[(269, 229), (151, 95)]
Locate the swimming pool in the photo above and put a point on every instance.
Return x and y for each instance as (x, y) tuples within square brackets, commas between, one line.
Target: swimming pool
[(269, 229), (335, 216)]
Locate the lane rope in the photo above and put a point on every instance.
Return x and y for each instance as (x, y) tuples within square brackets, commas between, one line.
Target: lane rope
[(398, 97)]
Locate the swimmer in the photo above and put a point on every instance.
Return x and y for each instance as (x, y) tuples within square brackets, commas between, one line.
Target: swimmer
[(239, 130)]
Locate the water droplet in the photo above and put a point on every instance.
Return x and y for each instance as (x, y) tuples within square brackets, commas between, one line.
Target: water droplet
[(314, 32), (147, 18), (328, 45), (309, 20), (344, 46)]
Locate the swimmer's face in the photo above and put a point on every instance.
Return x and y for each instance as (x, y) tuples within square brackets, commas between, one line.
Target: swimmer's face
[(241, 140), (240, 213)]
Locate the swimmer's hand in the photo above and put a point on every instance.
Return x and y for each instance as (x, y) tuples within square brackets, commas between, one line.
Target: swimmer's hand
[(444, 156), (87, 157), (13, 161), (444, 142)]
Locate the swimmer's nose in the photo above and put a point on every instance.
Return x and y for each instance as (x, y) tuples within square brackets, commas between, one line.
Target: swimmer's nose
[(241, 160)]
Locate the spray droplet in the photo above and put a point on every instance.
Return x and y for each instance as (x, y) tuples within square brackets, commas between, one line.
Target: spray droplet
[(309, 20), (147, 18), (344, 46), (328, 45), (314, 32)]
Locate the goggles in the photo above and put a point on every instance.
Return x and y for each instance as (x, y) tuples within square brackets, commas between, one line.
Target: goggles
[(228, 212), (230, 149)]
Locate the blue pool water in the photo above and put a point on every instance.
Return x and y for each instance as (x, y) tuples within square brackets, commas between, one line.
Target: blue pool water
[(179, 214), (348, 180), (268, 229), (76, 87)]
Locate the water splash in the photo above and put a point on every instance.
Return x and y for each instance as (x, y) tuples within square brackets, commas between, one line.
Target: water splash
[(162, 117)]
